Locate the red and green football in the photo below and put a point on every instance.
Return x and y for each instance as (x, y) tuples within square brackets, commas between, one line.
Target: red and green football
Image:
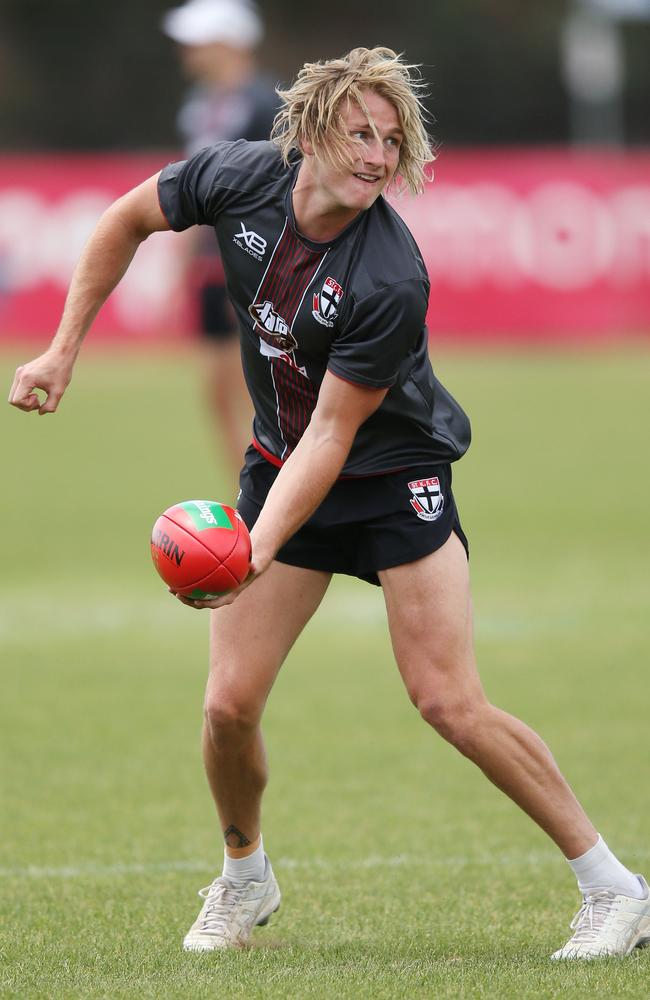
[(201, 548)]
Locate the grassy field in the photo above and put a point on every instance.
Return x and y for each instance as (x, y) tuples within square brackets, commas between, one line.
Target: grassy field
[(404, 873)]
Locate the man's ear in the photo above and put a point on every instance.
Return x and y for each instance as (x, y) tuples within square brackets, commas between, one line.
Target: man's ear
[(306, 148)]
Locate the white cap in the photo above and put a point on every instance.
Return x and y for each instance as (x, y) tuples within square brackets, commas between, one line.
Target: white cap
[(199, 22)]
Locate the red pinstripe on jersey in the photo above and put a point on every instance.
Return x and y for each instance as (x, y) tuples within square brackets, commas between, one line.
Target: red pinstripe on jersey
[(290, 271)]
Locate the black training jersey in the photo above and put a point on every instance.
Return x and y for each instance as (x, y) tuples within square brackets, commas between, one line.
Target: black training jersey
[(355, 306), (212, 113)]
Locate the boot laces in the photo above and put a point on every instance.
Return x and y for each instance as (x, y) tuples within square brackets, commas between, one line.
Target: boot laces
[(222, 899), (591, 917)]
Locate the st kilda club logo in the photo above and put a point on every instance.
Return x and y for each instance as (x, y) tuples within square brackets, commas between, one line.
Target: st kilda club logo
[(326, 302), (427, 500)]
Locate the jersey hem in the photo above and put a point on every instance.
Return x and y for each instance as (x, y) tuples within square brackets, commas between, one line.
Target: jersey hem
[(279, 462), (160, 206), (273, 459)]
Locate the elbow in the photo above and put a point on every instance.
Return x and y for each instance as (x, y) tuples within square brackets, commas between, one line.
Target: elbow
[(123, 218), (137, 214), (331, 439)]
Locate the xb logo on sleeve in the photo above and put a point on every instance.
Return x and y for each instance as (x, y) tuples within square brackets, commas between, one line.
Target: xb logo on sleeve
[(251, 242), (427, 500)]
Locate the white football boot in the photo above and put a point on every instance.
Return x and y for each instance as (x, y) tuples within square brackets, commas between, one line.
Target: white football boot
[(231, 910), (608, 924)]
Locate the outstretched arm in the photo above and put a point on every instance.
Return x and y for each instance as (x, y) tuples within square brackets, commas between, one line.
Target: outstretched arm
[(307, 476), (105, 259)]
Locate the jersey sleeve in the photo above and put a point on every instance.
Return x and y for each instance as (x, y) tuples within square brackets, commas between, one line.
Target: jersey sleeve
[(191, 192), (380, 331)]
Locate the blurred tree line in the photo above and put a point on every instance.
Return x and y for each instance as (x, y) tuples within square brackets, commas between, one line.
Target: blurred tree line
[(78, 74)]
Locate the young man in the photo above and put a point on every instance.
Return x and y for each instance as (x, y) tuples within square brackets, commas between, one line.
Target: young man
[(350, 465)]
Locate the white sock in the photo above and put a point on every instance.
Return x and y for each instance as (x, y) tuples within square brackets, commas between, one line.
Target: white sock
[(248, 869), (599, 869)]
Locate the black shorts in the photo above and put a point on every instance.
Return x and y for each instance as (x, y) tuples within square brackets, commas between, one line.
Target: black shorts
[(217, 316), (363, 525)]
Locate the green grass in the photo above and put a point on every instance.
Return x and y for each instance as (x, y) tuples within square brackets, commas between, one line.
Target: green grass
[(404, 873)]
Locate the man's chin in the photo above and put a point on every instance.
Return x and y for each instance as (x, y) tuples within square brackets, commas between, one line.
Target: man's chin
[(364, 201)]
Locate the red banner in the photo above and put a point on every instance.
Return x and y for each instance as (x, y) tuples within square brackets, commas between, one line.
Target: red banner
[(48, 208), (531, 242), (518, 243)]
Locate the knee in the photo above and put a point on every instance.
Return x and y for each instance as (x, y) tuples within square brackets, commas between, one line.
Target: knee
[(458, 719), (230, 715)]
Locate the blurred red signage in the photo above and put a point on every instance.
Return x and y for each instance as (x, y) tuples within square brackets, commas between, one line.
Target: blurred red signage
[(48, 207), (518, 243), (537, 243)]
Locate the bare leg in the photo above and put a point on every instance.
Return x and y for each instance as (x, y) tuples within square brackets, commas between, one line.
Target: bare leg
[(227, 399), (430, 620), (249, 642)]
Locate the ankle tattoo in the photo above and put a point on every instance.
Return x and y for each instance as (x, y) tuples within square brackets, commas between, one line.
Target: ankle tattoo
[(235, 838)]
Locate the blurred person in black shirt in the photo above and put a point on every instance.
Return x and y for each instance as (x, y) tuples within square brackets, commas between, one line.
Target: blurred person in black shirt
[(229, 99)]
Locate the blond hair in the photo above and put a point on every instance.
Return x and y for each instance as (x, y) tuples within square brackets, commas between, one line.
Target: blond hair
[(312, 110)]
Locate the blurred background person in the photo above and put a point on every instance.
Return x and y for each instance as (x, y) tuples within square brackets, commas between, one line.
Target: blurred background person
[(229, 99)]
